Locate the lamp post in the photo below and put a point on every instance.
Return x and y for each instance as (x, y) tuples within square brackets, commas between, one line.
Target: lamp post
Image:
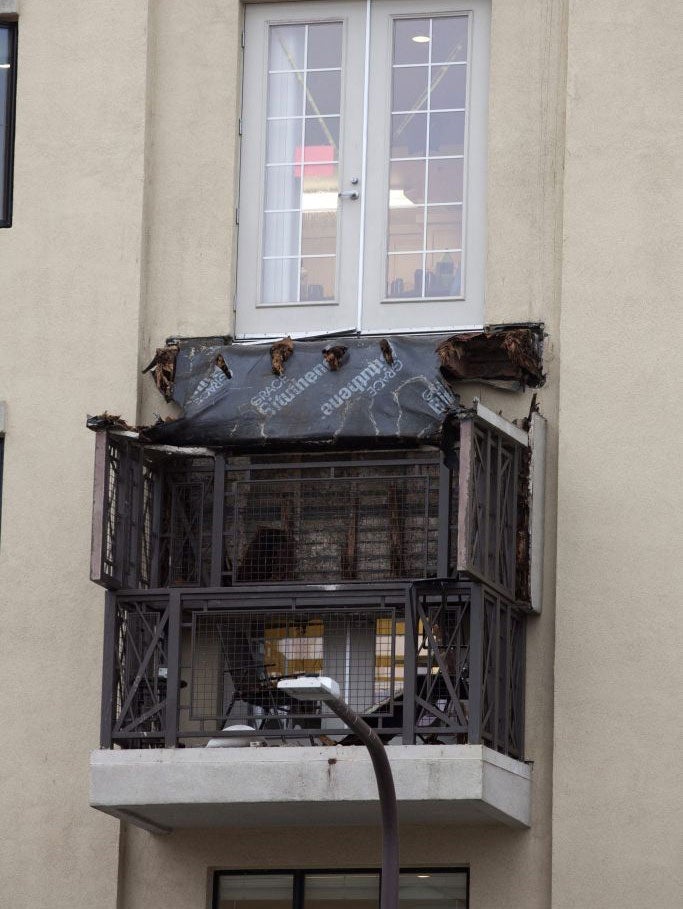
[(320, 688)]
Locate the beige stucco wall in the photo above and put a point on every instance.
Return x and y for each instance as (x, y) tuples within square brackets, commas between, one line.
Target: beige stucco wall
[(617, 794), (70, 277)]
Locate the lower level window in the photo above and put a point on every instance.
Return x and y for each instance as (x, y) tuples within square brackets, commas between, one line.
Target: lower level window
[(419, 889)]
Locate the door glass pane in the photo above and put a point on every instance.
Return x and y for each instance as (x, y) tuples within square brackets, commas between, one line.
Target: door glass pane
[(425, 217), (319, 233), (341, 891), (303, 128), (281, 233), (447, 87), (443, 274), (283, 139), (408, 135), (405, 275), (280, 280), (287, 47), (285, 94), (409, 90), (411, 42), (256, 891), (324, 45), (449, 40), (322, 92), (317, 279)]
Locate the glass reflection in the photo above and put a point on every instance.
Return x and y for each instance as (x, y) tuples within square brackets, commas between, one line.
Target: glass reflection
[(447, 133), (323, 93), (324, 45), (445, 180), (449, 39), (285, 94), (256, 891), (447, 87), (408, 135), (283, 137), (437, 890), (442, 274), (406, 48), (409, 90), (317, 279), (286, 47), (302, 150), (341, 891), (425, 217)]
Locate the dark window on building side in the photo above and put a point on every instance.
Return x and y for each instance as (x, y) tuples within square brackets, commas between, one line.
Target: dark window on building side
[(419, 889), (8, 84)]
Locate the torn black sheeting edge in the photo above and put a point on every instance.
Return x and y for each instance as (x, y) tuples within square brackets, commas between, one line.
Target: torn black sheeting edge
[(356, 397)]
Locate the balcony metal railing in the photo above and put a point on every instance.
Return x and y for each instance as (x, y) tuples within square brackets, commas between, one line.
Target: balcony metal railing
[(433, 662), (186, 518)]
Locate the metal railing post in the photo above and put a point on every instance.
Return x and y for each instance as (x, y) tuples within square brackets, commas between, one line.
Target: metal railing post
[(409, 668), (108, 678), (173, 678), (476, 680)]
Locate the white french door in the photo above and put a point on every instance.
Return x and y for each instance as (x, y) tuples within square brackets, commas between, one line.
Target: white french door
[(362, 192)]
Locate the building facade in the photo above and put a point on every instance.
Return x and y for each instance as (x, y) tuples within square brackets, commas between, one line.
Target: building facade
[(171, 170)]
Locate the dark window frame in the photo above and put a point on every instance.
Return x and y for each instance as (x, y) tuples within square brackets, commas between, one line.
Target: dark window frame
[(299, 876), (7, 166)]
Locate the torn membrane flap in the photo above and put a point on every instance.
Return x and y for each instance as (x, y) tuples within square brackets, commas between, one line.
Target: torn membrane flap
[(347, 390)]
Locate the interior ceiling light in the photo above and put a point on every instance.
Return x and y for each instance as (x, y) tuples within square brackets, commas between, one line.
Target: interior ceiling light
[(4, 65), (421, 39)]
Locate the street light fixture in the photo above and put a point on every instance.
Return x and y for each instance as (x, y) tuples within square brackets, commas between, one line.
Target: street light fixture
[(321, 688)]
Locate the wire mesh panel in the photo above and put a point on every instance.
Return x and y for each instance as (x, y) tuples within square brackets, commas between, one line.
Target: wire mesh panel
[(443, 673), (149, 539), (117, 512), (490, 464), (111, 565), (502, 691), (348, 520), (186, 523), (440, 662), (238, 657), (140, 672)]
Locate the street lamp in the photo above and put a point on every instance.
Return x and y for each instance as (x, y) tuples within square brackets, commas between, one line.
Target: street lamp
[(320, 688)]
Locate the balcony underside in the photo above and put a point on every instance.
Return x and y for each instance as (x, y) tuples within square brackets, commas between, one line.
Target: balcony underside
[(165, 789)]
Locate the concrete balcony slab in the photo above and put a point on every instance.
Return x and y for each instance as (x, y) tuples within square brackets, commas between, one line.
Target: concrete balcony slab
[(165, 789)]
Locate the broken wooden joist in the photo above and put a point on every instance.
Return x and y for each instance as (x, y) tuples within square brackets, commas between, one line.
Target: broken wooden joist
[(507, 354)]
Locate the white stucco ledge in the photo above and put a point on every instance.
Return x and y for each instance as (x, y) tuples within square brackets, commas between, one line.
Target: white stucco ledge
[(165, 789)]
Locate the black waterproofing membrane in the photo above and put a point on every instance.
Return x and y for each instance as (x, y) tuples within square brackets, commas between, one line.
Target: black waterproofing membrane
[(348, 390)]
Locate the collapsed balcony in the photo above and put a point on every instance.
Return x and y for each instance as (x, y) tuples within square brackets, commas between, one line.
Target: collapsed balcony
[(400, 559), (187, 517)]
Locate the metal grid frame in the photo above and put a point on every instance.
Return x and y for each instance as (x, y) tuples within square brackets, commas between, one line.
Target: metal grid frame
[(456, 667), (491, 479), (170, 519)]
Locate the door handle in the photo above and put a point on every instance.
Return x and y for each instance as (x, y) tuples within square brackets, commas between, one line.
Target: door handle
[(349, 194)]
